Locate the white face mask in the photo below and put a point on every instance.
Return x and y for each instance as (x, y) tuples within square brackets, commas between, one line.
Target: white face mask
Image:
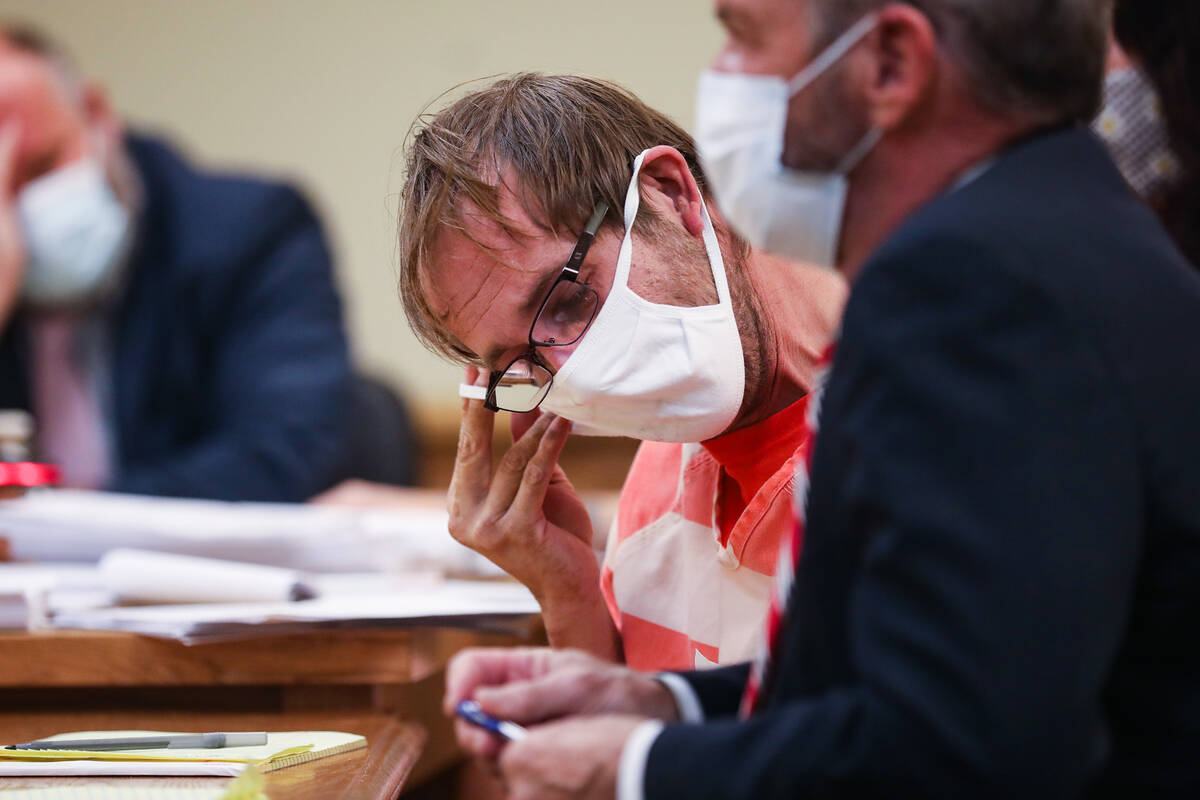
[(652, 371), (75, 232), (740, 125)]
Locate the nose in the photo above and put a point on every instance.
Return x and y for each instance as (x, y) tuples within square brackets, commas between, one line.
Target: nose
[(555, 357)]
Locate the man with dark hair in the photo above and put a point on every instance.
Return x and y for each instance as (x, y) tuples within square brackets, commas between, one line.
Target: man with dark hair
[(174, 332), (1000, 574)]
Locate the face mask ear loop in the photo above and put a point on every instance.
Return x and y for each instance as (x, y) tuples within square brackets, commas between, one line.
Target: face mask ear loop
[(716, 261), (832, 54), (860, 151), (633, 199)]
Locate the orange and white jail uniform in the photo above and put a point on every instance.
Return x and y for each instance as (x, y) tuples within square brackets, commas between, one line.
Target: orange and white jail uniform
[(691, 555)]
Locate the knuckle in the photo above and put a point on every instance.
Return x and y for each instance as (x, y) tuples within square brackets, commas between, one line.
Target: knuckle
[(535, 474), (490, 532), (459, 523), (469, 446), (513, 461)]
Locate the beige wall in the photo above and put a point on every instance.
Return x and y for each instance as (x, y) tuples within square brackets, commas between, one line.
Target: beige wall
[(323, 92)]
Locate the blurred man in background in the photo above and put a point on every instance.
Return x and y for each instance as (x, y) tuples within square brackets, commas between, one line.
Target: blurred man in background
[(173, 332), (1000, 575), (1151, 116)]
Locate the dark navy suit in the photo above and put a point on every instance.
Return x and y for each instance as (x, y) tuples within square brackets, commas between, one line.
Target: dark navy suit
[(229, 367), (999, 594)]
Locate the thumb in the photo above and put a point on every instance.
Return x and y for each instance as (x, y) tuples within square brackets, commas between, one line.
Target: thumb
[(559, 694)]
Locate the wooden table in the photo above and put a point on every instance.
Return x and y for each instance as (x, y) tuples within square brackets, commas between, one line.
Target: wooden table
[(375, 773), (70, 680)]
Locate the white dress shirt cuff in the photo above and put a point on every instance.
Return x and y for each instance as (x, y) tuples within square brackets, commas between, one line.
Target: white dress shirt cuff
[(690, 709), (631, 771)]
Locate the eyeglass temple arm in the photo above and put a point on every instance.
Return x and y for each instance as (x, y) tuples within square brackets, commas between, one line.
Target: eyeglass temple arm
[(586, 238)]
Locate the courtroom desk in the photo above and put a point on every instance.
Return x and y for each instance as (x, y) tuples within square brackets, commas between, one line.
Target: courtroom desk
[(376, 772), (396, 672)]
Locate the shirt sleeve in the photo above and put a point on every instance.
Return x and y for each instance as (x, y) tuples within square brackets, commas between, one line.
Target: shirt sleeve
[(631, 771), (685, 696)]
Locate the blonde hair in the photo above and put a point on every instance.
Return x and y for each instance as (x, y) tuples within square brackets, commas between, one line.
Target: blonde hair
[(568, 142)]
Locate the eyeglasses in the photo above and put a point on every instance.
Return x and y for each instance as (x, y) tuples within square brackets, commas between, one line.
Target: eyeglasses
[(562, 319)]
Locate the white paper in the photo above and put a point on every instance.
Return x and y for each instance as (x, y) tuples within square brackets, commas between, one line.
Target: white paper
[(69, 525), (67, 768), (25, 588), (459, 602), (144, 576)]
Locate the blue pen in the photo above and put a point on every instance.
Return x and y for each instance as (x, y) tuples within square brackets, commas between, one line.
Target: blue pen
[(470, 711)]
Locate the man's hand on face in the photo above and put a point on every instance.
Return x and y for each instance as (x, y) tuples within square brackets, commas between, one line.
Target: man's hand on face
[(537, 685), (524, 514), (576, 759), (12, 244)]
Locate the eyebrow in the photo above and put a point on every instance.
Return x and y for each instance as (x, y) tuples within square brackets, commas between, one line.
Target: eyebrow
[(533, 302)]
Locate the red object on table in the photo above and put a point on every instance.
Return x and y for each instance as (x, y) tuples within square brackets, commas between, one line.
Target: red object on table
[(28, 474)]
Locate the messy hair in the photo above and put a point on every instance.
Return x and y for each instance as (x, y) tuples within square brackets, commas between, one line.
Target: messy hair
[(562, 143)]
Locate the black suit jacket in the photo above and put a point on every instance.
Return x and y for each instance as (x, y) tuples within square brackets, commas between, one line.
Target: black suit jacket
[(230, 371), (999, 594)]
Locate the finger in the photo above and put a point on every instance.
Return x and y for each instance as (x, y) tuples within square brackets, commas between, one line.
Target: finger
[(513, 765), (473, 461), (476, 741), (519, 423), (511, 470), (554, 696), (535, 480), (478, 667), (563, 507), (10, 137)]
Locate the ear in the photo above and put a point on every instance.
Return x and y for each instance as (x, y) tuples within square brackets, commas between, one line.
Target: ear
[(101, 120), (668, 186), (904, 65)]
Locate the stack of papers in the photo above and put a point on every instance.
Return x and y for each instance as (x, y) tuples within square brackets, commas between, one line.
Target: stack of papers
[(67, 525), (25, 590), (476, 604)]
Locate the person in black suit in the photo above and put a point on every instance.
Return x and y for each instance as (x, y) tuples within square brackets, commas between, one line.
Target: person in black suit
[(1000, 572), (175, 332)]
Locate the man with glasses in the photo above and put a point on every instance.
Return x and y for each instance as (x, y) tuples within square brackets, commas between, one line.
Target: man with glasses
[(556, 235), (999, 582)]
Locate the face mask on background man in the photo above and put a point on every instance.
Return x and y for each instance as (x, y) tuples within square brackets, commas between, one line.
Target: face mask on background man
[(1132, 125), (75, 233), (652, 371), (740, 124)]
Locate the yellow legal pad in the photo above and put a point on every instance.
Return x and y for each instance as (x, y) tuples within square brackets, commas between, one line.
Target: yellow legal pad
[(283, 749), (248, 786)]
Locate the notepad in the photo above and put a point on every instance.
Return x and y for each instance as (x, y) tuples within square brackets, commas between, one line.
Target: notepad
[(283, 749), (249, 786)]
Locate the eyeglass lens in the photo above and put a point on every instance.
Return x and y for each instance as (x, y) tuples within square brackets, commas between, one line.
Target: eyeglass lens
[(565, 315), (522, 387)]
